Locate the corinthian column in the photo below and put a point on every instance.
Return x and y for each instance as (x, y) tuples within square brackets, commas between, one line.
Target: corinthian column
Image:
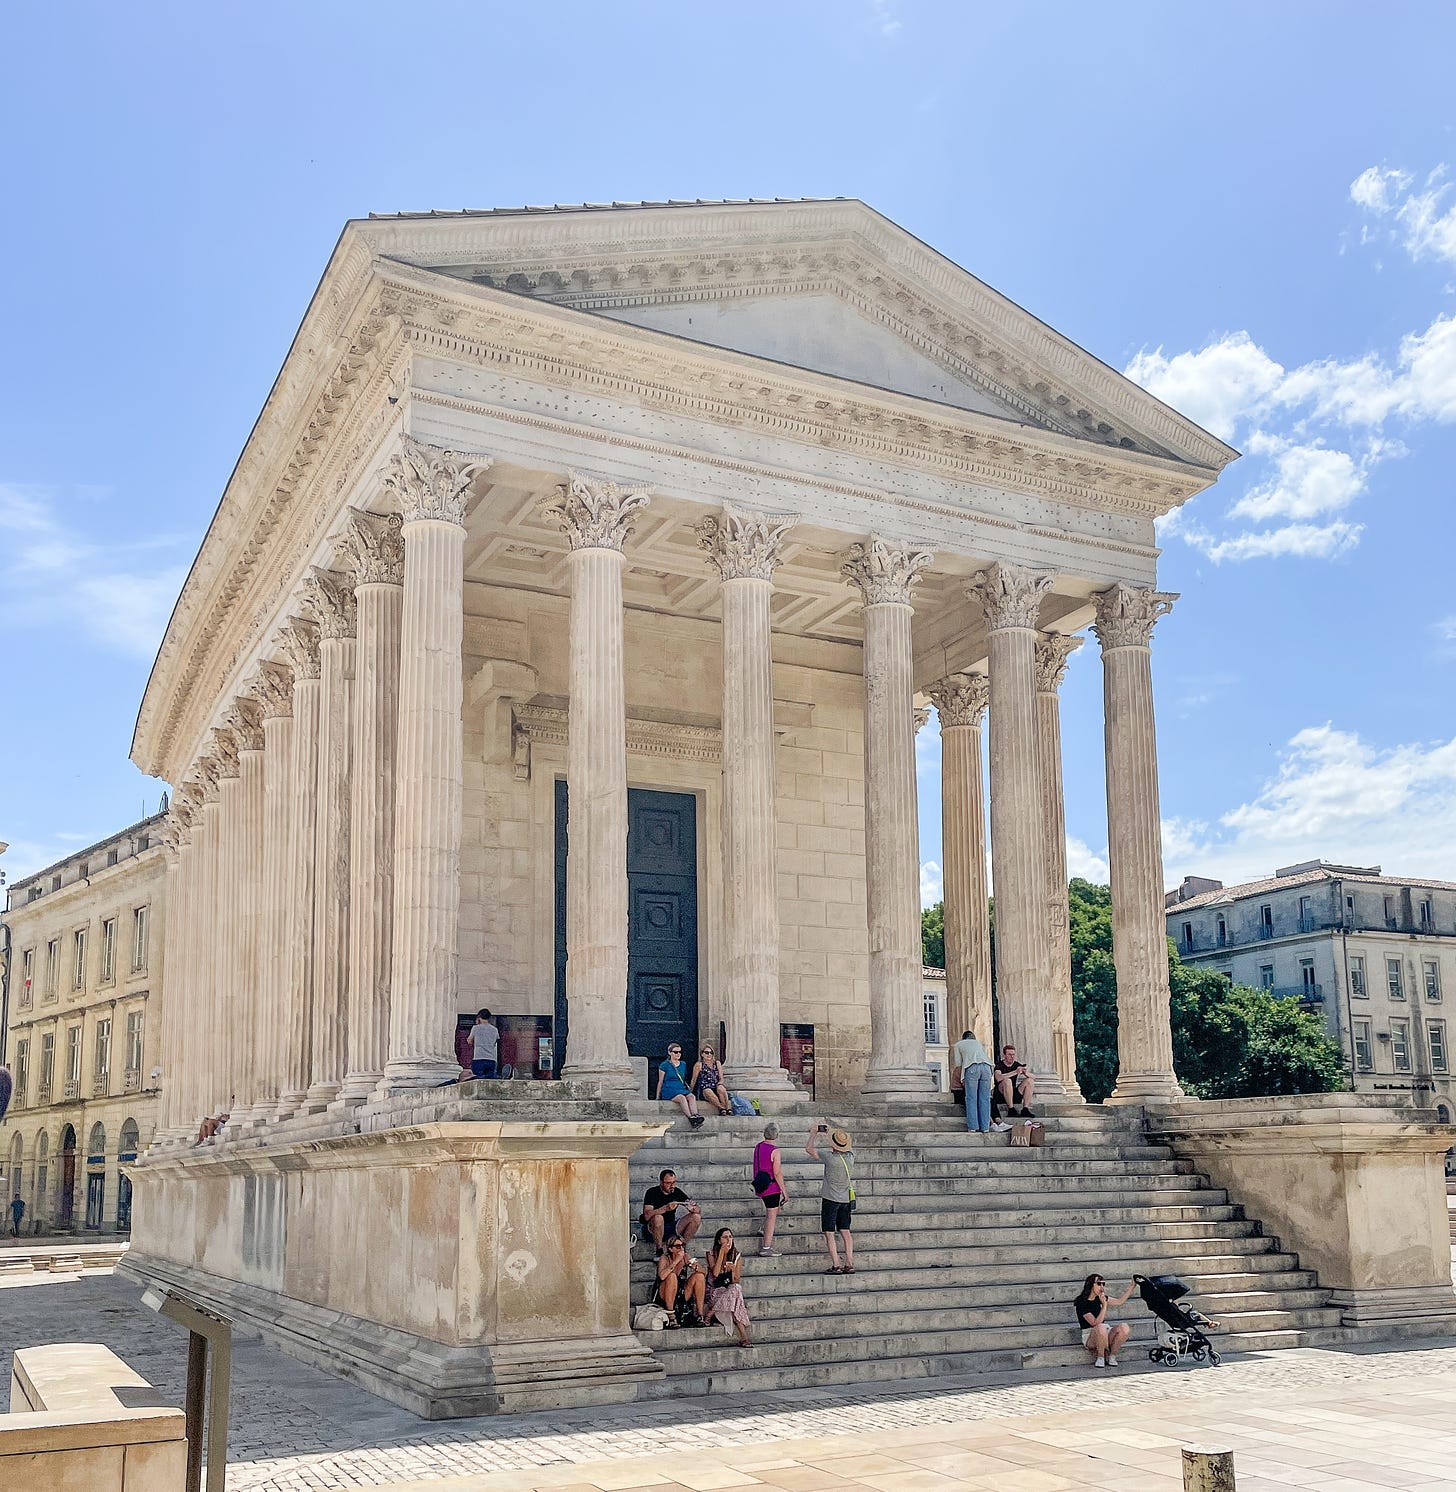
[(1052, 652), (431, 486), (329, 597), (960, 701), (246, 724), (885, 574), (1124, 627), (745, 550), (595, 516), (294, 1056), (1010, 597), (227, 942), (375, 552), (275, 696), (206, 1016), (176, 835)]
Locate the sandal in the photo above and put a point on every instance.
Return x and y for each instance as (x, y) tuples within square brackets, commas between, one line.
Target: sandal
[(848, 1269), (834, 1270)]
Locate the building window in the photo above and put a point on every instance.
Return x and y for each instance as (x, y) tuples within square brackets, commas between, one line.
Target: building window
[(139, 931), (1432, 970), (78, 959), (103, 1049), (22, 1071), (1266, 976), (134, 1049), (1357, 976), (1306, 917), (55, 883), (1221, 930), (47, 1067), (1364, 1057), (1306, 977), (73, 1062), (1400, 1045), (1427, 916), (1188, 935), (1390, 911), (1436, 1036), (1349, 906), (1394, 982), (53, 967), (27, 978), (108, 950), (1266, 921), (933, 1035), (111, 857), (83, 870)]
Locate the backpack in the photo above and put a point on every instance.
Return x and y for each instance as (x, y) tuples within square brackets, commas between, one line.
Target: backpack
[(741, 1106)]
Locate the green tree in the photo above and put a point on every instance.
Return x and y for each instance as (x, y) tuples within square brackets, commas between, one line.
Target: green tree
[(932, 935)]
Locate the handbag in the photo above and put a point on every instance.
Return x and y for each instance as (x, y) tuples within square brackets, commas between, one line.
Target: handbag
[(762, 1180), (649, 1318)]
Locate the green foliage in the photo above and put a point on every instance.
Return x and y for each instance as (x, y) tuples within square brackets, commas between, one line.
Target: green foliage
[(1229, 1041), (932, 935)]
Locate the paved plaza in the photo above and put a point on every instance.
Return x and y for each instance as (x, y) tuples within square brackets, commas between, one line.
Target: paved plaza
[(1338, 1421)]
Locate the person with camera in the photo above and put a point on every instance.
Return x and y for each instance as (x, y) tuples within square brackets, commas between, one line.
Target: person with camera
[(668, 1210), (836, 1204), (1014, 1083)]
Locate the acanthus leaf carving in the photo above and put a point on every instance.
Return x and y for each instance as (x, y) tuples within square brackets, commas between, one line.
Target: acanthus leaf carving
[(744, 545), (372, 545), (960, 698), (1010, 595), (1052, 651), (300, 640), (430, 482), (1126, 615), (594, 514), (245, 721), (225, 752), (329, 597), (274, 690), (886, 572)]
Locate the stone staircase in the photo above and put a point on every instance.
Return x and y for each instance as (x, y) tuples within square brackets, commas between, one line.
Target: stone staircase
[(967, 1252)]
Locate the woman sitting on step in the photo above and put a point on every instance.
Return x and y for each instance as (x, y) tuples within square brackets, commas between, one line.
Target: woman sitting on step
[(672, 1085), (708, 1082), (680, 1286), (1099, 1336), (725, 1288)]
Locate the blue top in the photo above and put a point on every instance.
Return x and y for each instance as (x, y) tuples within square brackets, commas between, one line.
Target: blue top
[(675, 1078)]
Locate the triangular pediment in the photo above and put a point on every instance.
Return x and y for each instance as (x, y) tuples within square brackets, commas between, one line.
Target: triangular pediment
[(828, 286)]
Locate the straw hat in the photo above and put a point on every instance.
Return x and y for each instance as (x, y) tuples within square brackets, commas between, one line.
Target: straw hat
[(839, 1139)]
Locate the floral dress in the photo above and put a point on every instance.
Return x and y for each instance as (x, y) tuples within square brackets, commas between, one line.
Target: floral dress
[(725, 1302)]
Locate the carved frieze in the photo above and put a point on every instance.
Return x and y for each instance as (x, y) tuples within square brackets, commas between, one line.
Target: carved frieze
[(594, 514), (744, 545), (1052, 652), (549, 723), (960, 698), (372, 546), (885, 572), (429, 482), (1126, 615), (329, 598), (1010, 595)]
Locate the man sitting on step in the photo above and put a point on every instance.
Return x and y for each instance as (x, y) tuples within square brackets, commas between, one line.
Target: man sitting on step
[(1014, 1083), (668, 1208)]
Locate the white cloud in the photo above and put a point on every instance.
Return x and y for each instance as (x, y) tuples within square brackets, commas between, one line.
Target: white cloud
[(932, 884), (119, 595), (1217, 386), (1307, 480), (1445, 629), (885, 18), (1422, 222), (1086, 862), (1300, 540), (1333, 797)]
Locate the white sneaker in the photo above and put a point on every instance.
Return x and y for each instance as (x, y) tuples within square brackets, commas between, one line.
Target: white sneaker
[(999, 1128), (1099, 1363), (1111, 1362)]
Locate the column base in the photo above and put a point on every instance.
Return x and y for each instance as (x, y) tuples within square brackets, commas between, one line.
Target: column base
[(609, 1077), (412, 1074), (1146, 1087), (897, 1082), (320, 1096), (359, 1087), (290, 1103), (1432, 1306), (1049, 1087), (752, 1078)]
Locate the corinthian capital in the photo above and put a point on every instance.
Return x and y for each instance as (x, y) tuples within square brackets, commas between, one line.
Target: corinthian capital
[(429, 482), (1052, 652), (300, 640), (594, 515), (273, 689), (744, 546), (225, 753), (245, 721), (884, 571), (329, 597), (373, 548), (1009, 595), (1126, 615), (960, 698)]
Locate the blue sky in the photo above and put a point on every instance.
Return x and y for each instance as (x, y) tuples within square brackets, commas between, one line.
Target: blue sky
[(1251, 207)]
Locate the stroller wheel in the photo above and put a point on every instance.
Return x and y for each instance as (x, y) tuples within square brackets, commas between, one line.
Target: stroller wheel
[(1155, 1354), (1199, 1354), (1213, 1357)]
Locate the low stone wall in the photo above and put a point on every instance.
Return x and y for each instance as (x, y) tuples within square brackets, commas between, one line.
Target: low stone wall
[(1354, 1186), (79, 1417), (473, 1260)]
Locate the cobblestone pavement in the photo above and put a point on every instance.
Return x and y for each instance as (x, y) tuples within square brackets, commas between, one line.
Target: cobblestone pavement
[(296, 1429)]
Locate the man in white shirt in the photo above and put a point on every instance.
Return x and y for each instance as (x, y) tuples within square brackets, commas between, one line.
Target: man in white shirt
[(484, 1045)]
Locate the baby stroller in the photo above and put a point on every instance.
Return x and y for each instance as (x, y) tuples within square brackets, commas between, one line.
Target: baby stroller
[(1180, 1331)]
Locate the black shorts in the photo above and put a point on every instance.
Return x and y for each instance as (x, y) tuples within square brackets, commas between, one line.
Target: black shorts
[(834, 1217), (774, 1201)]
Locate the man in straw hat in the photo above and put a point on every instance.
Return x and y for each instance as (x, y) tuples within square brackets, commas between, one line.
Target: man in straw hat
[(836, 1206)]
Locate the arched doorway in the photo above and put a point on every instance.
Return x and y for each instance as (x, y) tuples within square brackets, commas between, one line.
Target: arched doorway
[(96, 1175), (1443, 1113), (40, 1209), (15, 1180), (126, 1153), (66, 1202)]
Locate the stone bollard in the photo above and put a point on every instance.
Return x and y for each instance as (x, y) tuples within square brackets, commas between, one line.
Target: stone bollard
[(1206, 1470)]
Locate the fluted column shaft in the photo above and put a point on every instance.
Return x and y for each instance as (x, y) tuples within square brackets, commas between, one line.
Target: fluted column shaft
[(371, 834), (1052, 651), (1018, 838), (744, 547), (331, 876), (273, 971), (960, 701), (203, 1015), (1124, 626), (429, 796), (174, 1002), (248, 914), (296, 1030), (227, 944), (885, 574)]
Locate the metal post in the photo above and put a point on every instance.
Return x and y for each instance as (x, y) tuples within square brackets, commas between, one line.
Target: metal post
[(209, 1335), (196, 1385), (1206, 1470), (217, 1410)]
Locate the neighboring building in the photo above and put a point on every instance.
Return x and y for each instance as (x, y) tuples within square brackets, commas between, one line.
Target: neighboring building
[(1374, 954), (937, 1041), (83, 1030)]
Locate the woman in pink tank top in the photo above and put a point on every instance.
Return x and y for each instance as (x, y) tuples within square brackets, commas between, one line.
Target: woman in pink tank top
[(768, 1182)]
